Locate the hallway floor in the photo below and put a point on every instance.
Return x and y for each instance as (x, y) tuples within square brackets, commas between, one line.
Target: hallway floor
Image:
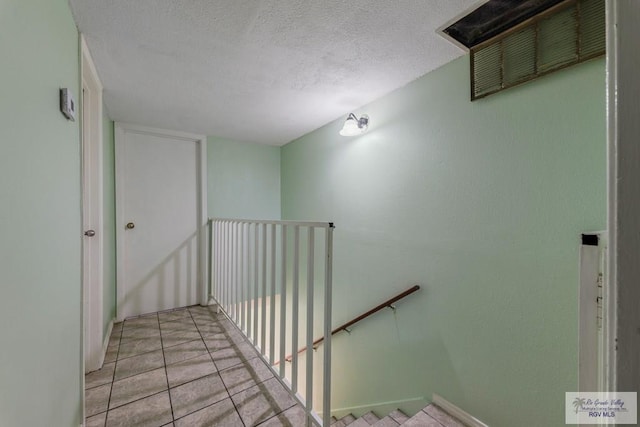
[(186, 367)]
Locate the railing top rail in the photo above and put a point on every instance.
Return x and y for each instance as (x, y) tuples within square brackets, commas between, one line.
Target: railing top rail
[(317, 224)]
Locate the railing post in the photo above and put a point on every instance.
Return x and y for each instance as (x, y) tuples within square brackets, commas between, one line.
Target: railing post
[(263, 312), (326, 368)]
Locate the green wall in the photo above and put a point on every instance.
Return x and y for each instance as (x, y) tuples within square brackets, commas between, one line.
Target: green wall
[(243, 180), (482, 204), (40, 247), (109, 221)]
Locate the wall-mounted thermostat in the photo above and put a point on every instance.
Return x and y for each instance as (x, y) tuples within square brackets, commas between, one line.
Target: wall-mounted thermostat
[(67, 104)]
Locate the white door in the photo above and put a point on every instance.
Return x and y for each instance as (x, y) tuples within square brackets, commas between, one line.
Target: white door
[(159, 191), (92, 265)]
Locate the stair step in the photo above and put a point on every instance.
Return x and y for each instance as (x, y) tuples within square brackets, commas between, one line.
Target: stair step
[(421, 419), (371, 418), (360, 422), (432, 416), (399, 416), (442, 416), (344, 421), (386, 422)]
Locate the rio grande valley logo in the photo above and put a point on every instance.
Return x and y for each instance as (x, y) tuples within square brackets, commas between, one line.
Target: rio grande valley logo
[(594, 408)]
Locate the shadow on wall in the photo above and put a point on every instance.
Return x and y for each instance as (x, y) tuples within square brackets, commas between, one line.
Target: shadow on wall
[(171, 283)]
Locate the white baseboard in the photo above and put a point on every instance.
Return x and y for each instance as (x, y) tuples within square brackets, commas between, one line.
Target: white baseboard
[(456, 412)]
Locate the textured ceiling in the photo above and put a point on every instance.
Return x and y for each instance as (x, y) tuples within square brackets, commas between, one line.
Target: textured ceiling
[(266, 71)]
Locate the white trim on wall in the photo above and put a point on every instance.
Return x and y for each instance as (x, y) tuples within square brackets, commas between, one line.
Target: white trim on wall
[(201, 141), (623, 111), (92, 292)]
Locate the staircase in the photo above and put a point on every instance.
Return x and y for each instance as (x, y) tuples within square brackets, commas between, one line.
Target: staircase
[(431, 416)]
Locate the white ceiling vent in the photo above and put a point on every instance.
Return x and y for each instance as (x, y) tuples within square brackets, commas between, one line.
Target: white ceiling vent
[(563, 35)]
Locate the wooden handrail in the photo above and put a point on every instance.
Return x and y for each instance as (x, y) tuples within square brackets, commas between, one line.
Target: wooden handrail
[(345, 327)]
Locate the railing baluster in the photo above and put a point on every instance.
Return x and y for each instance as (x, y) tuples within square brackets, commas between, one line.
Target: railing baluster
[(255, 284), (241, 286), (272, 298), (225, 278), (218, 262), (294, 308), (263, 313), (234, 283), (283, 304), (309, 367), (249, 287)]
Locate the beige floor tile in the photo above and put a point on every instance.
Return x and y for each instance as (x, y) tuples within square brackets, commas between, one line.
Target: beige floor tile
[(144, 331), (209, 329), (184, 351), (97, 399), (292, 417), (262, 401), (96, 420), (102, 376), (188, 370), (138, 386), (221, 414), (242, 377), (174, 315), (195, 395), (179, 337), (112, 352), (233, 355), (138, 364), (136, 347), (136, 322), (152, 411)]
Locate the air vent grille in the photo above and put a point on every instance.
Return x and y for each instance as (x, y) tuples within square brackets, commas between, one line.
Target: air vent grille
[(569, 33)]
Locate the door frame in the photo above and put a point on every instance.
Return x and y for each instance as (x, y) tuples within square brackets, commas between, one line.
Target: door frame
[(121, 129), (92, 198)]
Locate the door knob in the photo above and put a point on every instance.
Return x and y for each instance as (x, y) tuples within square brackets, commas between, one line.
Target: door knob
[(130, 226), (89, 233)]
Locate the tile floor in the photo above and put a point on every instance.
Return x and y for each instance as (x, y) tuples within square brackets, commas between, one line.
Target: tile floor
[(186, 367)]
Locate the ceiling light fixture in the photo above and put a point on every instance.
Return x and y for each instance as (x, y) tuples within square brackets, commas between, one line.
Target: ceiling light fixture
[(355, 126)]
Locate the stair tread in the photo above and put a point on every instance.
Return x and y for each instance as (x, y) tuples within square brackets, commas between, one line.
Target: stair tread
[(386, 422), (360, 422), (371, 418), (442, 416), (399, 416), (344, 421), (421, 419)]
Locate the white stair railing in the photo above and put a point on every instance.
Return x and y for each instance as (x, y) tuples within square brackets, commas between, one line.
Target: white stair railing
[(254, 275)]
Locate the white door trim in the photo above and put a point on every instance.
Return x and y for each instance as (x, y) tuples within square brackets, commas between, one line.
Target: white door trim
[(93, 292), (623, 126), (201, 141)]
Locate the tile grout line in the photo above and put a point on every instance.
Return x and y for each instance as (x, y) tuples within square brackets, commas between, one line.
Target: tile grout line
[(216, 365), (115, 365), (166, 375)]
